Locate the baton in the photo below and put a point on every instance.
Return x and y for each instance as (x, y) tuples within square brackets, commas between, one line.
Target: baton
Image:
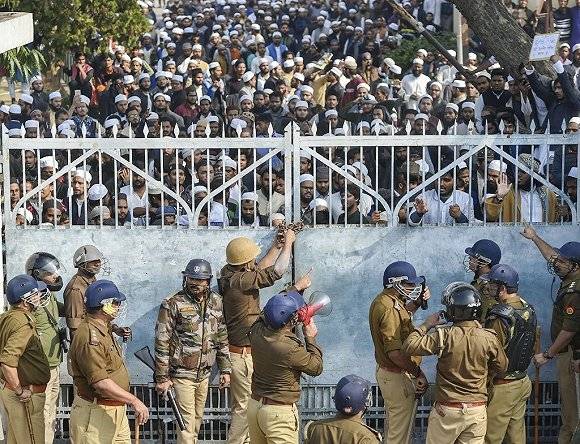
[(411, 426), (29, 423), (537, 391), (136, 430)]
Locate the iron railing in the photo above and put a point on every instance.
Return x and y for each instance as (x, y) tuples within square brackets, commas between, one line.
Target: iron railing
[(316, 402)]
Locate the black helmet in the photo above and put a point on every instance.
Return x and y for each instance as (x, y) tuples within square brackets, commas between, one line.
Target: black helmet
[(462, 302), (41, 264), (197, 269)]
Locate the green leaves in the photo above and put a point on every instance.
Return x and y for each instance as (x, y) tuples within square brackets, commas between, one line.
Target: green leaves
[(27, 61), (70, 25)]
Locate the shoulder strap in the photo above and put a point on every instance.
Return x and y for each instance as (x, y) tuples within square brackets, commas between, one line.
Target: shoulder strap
[(51, 318)]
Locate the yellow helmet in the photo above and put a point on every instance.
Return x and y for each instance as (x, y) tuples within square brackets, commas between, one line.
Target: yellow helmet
[(241, 250)]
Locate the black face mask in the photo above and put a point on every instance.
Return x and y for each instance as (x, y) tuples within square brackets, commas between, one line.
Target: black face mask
[(57, 286)]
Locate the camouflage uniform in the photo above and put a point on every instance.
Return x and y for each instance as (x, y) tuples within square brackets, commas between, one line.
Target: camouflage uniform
[(189, 335)]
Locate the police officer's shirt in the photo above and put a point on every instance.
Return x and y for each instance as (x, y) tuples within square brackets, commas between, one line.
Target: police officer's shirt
[(20, 347), (390, 324), (48, 332), (341, 429), (95, 355), (279, 359), (566, 313), (74, 298), (467, 353), (240, 287)]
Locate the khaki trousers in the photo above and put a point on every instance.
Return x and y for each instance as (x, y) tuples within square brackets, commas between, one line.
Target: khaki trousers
[(450, 425), (190, 397), (240, 391), (273, 424), (398, 392), (50, 404), (567, 388), (505, 412), (18, 425), (91, 423)]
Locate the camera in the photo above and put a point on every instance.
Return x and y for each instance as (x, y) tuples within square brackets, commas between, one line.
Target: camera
[(63, 339)]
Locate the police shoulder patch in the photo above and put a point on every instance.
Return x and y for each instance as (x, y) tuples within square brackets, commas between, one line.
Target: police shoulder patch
[(93, 337), (569, 310)]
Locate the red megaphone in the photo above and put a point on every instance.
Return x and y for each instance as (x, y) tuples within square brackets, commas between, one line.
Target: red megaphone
[(319, 304)]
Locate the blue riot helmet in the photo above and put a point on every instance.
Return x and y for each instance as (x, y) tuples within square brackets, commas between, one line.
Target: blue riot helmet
[(104, 294), (484, 252), (27, 289), (566, 259), (398, 274), (281, 308), (352, 395)]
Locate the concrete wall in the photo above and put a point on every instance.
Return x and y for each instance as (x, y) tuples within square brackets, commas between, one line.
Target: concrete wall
[(348, 264)]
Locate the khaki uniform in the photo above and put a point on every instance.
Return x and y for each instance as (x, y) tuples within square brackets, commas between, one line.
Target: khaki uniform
[(20, 348), (566, 316), (95, 355), (189, 335), (506, 408), (46, 319), (74, 299), (279, 360), (240, 288), (468, 355), (486, 301), (391, 324), (340, 429)]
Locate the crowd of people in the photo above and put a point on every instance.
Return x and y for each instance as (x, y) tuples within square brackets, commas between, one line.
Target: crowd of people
[(248, 70)]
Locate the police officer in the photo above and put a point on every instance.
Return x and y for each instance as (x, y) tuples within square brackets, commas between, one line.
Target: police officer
[(399, 376), (240, 283), (479, 259), (279, 360), (565, 264), (45, 267), (25, 370), (468, 354), (189, 335), (514, 321), (99, 410), (351, 398), (89, 261)]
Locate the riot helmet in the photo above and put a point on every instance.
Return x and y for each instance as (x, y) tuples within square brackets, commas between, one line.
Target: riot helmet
[(104, 294), (566, 260), (198, 269), (90, 259), (281, 309), (352, 395), (241, 250), (45, 267), (483, 253), (501, 275), (24, 288), (402, 277), (462, 302)]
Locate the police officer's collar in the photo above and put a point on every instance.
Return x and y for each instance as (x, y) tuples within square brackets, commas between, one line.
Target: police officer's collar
[(473, 323), (100, 324), (572, 276), (514, 298), (88, 277)]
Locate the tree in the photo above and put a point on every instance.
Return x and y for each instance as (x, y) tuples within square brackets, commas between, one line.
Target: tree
[(499, 32), (68, 25), (22, 60)]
